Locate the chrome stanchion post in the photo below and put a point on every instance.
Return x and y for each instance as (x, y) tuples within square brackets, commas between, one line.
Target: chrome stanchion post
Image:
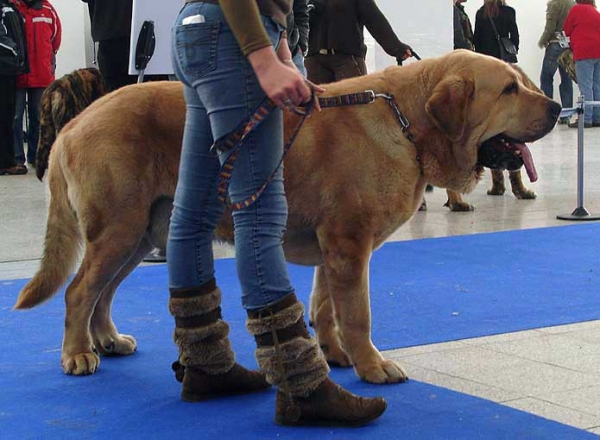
[(580, 213)]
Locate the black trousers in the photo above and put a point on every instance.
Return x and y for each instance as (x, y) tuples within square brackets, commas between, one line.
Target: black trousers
[(113, 62), (8, 99)]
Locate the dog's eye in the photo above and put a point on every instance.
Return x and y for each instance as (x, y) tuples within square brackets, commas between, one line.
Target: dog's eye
[(511, 88)]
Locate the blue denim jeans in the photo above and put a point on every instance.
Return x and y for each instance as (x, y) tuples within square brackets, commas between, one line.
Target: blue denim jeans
[(220, 90), (33, 97), (549, 67), (298, 60), (588, 80)]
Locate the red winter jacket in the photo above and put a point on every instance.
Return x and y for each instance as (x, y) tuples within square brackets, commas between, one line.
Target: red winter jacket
[(43, 33), (583, 26)]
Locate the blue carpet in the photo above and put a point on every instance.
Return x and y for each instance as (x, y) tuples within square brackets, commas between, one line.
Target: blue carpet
[(422, 291)]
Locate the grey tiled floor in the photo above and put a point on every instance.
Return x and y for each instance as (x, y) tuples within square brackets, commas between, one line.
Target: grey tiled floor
[(552, 372)]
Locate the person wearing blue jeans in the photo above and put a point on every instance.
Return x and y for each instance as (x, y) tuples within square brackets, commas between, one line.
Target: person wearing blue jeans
[(33, 98), (230, 55), (582, 26), (549, 67), (556, 13), (588, 79)]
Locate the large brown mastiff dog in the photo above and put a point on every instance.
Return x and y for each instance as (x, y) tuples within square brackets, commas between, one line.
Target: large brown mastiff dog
[(352, 178)]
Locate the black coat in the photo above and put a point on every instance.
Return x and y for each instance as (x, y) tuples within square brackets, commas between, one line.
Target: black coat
[(297, 27), (484, 37), (110, 18), (13, 47)]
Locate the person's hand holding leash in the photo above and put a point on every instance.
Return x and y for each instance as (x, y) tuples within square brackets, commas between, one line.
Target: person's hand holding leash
[(282, 83)]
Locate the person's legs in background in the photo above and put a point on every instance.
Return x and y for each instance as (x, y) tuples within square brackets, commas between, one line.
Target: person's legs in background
[(549, 67), (34, 99), (347, 66), (8, 164), (596, 92), (113, 62), (585, 77), (21, 99), (317, 69), (565, 89), (298, 60), (324, 69)]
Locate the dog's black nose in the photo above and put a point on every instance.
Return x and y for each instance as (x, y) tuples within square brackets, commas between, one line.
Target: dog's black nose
[(554, 110)]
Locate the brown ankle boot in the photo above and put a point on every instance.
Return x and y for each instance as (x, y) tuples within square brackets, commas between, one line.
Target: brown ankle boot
[(328, 405), (206, 364), (294, 363), (199, 386)]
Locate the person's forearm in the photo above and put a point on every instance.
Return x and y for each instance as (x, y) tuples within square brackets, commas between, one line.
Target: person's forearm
[(243, 17)]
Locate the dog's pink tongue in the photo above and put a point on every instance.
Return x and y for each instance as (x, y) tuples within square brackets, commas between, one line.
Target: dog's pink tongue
[(527, 161)]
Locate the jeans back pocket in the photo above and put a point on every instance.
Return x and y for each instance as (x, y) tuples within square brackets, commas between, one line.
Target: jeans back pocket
[(196, 48)]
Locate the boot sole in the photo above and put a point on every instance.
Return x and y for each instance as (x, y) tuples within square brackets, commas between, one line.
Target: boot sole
[(331, 424), (191, 397)]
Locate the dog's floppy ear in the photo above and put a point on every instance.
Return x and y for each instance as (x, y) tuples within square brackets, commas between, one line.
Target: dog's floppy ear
[(448, 105)]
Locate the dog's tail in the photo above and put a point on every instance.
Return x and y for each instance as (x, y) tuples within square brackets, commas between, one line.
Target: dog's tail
[(61, 247), (62, 100)]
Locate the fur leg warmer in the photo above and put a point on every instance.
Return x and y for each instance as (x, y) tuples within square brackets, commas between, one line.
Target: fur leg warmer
[(285, 352), (200, 332)]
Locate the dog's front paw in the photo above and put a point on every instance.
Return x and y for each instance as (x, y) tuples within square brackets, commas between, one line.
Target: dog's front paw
[(386, 371), (80, 364), (524, 194), (120, 345)]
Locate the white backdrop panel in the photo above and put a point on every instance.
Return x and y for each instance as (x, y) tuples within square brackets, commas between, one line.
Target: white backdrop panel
[(163, 14), (425, 25)]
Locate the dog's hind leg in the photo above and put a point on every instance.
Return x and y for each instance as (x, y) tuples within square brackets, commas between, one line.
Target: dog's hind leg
[(518, 188), (107, 339), (102, 262), (321, 319)]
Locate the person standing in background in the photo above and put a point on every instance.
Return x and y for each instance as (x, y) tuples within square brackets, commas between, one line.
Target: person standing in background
[(336, 46), (43, 35), (505, 20), (297, 28), (13, 62), (460, 39), (582, 25), (111, 29), (463, 23), (556, 13)]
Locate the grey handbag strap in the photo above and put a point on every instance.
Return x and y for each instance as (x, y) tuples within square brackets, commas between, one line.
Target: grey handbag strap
[(494, 27)]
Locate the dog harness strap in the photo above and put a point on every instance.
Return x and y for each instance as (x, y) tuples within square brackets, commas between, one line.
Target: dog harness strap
[(404, 124)]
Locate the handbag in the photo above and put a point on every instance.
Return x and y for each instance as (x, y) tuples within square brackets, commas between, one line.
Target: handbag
[(508, 51)]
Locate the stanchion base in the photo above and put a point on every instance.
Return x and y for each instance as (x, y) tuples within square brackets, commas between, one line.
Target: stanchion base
[(580, 214)]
